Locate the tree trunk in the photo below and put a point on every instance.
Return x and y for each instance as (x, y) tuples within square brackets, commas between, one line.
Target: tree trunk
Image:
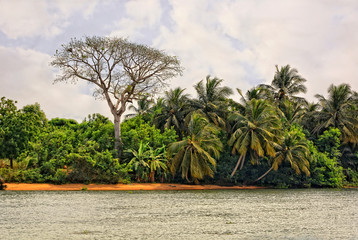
[(237, 165), (264, 174), (243, 161), (11, 163), (152, 176), (117, 136)]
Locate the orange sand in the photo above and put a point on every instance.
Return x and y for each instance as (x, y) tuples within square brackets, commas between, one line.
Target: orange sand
[(117, 187)]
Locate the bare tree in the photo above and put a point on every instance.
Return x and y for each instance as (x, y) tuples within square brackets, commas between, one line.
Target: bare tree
[(122, 71)]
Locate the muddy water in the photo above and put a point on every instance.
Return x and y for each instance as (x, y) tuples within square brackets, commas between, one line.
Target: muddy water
[(232, 214)]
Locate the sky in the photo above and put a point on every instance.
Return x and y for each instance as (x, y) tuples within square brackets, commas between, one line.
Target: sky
[(239, 41)]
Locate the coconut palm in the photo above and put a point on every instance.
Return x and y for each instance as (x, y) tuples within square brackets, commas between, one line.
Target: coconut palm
[(291, 112), (157, 162), (294, 150), (286, 84), (174, 110), (253, 93), (139, 162), (195, 155), (308, 120), (257, 132), (144, 105), (339, 110), (211, 100)]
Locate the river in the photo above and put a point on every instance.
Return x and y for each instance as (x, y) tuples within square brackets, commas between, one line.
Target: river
[(211, 214)]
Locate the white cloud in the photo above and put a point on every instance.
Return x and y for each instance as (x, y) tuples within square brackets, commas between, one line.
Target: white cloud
[(140, 16), (25, 18), (68, 7), (317, 38), (27, 78), (239, 41), (197, 38)]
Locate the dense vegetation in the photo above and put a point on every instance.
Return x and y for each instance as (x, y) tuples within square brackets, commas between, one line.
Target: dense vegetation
[(272, 137)]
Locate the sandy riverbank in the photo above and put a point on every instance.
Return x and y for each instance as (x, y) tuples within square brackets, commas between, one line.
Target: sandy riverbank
[(117, 187)]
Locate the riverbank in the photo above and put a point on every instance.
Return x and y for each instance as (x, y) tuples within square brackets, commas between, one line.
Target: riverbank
[(118, 187)]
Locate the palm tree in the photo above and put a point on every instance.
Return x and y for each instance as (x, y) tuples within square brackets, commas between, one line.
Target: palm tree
[(286, 84), (257, 132), (148, 161), (294, 150), (139, 162), (308, 120), (291, 112), (174, 110), (144, 105), (157, 162), (212, 100), (254, 93), (339, 110), (195, 155)]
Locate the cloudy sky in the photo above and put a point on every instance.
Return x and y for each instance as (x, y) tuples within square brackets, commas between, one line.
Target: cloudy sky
[(239, 41)]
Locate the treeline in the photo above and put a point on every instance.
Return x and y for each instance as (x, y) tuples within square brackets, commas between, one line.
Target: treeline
[(270, 137)]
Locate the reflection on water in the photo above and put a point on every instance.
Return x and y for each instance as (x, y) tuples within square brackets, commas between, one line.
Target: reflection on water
[(241, 214)]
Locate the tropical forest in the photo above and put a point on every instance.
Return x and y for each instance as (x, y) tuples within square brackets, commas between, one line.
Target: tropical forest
[(269, 135)]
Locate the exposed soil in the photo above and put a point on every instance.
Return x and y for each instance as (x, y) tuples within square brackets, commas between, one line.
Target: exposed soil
[(118, 187)]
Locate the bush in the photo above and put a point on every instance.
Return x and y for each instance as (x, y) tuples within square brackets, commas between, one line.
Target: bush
[(352, 177), (88, 165), (20, 175), (60, 177), (325, 171)]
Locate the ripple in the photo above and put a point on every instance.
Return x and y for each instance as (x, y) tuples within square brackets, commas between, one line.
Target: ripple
[(219, 214)]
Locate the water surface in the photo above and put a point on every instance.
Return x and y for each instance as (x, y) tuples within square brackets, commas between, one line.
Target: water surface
[(214, 214)]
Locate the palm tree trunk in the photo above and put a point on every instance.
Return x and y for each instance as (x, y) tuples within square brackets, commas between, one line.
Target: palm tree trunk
[(237, 165), (152, 178), (186, 177), (264, 174), (243, 161)]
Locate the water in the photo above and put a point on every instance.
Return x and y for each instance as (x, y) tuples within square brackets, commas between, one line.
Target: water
[(242, 214)]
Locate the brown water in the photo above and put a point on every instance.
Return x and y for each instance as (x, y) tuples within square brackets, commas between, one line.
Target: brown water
[(242, 214)]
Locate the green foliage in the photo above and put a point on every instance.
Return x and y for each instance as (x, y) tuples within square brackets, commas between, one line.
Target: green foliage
[(62, 122), (349, 158), (211, 101), (89, 165), (286, 84), (19, 128), (351, 177), (170, 112), (52, 148), (135, 130), (195, 156), (181, 134), (325, 171), (339, 110), (146, 162), (330, 143), (99, 129), (20, 175), (294, 149), (257, 132)]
